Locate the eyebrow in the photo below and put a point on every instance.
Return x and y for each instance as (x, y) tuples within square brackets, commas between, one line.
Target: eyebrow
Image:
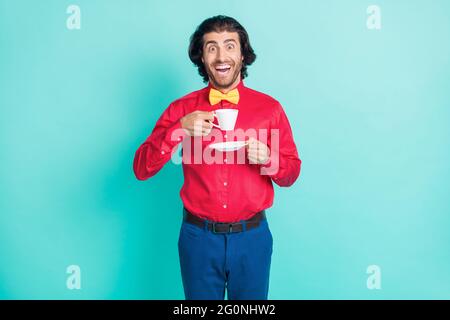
[(215, 42)]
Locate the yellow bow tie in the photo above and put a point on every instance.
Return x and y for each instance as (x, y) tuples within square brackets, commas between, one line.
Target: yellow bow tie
[(215, 96)]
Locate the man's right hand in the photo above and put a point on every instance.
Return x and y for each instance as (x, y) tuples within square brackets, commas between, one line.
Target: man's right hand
[(196, 123)]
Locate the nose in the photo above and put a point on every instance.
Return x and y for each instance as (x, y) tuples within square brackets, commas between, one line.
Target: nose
[(220, 55)]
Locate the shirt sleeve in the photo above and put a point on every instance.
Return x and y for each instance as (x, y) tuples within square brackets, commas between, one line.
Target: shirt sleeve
[(157, 149), (284, 163)]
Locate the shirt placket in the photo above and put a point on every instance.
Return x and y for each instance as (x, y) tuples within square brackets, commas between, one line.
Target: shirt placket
[(224, 194), (225, 171)]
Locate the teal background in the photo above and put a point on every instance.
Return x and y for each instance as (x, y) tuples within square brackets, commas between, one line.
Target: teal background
[(369, 110)]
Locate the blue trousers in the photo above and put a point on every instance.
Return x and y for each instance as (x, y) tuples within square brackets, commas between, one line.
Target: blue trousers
[(214, 262)]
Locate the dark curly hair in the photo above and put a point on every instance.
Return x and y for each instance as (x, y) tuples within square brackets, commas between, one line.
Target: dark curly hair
[(218, 24)]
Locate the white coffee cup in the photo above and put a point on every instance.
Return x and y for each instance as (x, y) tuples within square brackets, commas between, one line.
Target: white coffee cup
[(226, 118)]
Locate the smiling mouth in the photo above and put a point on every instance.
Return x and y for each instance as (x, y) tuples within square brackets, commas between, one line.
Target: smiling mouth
[(223, 70)]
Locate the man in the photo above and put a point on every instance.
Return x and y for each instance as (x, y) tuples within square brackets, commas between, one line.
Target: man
[(225, 242)]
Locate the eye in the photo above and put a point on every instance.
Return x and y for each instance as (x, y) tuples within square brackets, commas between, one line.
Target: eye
[(211, 49), (230, 47)]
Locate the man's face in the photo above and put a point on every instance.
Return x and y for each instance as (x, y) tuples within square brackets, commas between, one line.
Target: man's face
[(222, 58)]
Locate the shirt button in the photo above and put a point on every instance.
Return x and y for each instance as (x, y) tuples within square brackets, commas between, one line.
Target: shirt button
[(225, 160), (179, 139), (162, 152), (224, 206), (225, 183), (225, 136)]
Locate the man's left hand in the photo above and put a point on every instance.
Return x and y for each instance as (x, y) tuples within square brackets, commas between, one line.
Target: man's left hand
[(257, 152)]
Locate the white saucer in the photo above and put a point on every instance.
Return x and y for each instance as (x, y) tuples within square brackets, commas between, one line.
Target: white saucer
[(228, 145)]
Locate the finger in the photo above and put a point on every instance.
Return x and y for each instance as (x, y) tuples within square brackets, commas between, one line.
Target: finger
[(206, 131), (198, 131), (252, 160), (262, 147), (262, 157), (262, 151), (207, 125), (204, 115), (250, 145), (198, 122), (201, 112), (264, 160), (196, 126), (252, 154)]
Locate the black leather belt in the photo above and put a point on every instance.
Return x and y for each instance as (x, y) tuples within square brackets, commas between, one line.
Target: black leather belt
[(225, 227)]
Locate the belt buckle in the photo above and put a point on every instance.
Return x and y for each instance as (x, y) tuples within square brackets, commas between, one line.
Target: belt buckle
[(230, 227)]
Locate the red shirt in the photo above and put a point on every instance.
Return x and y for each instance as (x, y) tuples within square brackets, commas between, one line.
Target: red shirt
[(223, 191)]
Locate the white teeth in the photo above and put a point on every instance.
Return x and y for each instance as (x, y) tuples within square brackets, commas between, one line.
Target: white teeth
[(224, 67)]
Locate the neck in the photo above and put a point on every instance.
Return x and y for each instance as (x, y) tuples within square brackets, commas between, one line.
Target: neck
[(229, 88)]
